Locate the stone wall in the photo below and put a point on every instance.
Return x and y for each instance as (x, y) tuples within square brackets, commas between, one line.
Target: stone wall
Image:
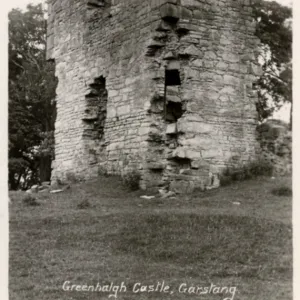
[(176, 100)]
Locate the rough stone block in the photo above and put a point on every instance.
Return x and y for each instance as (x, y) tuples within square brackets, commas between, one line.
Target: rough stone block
[(170, 12), (198, 14), (211, 153), (185, 126), (173, 65), (173, 98), (195, 164), (171, 128), (158, 3), (170, 55), (233, 80), (231, 57), (179, 152), (191, 50), (123, 110), (111, 112), (144, 131), (197, 63), (113, 93), (185, 13), (194, 3), (192, 154)]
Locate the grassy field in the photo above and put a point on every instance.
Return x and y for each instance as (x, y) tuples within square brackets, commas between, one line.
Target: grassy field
[(237, 236)]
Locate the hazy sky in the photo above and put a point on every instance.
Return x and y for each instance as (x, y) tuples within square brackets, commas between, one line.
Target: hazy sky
[(23, 3)]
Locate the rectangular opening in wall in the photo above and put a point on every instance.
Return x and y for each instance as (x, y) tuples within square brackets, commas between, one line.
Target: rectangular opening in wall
[(172, 77), (174, 111)]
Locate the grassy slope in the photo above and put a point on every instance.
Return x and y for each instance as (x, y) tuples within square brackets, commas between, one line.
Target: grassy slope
[(198, 239)]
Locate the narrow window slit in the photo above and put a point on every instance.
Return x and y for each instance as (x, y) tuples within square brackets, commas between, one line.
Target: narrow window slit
[(172, 111), (172, 77)]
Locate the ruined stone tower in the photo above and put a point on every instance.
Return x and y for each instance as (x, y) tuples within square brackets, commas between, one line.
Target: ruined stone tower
[(163, 87)]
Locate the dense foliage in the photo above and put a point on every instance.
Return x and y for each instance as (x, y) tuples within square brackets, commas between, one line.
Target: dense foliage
[(32, 109), (274, 29)]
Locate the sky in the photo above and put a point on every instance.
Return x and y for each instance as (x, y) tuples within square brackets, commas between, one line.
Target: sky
[(20, 3)]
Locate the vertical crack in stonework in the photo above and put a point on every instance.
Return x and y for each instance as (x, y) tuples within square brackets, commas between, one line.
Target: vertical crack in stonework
[(95, 116)]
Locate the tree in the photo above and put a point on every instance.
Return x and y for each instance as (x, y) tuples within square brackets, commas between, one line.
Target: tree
[(32, 108), (275, 33)]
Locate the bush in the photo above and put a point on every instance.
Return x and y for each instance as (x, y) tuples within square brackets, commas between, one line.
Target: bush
[(282, 191), (132, 180), (30, 201), (249, 171), (261, 168)]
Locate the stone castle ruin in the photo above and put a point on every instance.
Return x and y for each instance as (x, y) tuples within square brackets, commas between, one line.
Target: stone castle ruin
[(161, 87)]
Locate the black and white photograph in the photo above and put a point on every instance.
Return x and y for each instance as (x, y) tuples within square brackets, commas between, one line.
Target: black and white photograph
[(150, 149)]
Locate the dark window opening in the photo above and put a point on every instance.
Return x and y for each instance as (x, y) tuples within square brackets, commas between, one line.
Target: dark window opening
[(170, 19), (185, 162), (182, 32), (172, 111), (172, 77), (179, 163)]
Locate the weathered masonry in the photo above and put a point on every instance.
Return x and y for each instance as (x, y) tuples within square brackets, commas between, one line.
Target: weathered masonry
[(163, 87)]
